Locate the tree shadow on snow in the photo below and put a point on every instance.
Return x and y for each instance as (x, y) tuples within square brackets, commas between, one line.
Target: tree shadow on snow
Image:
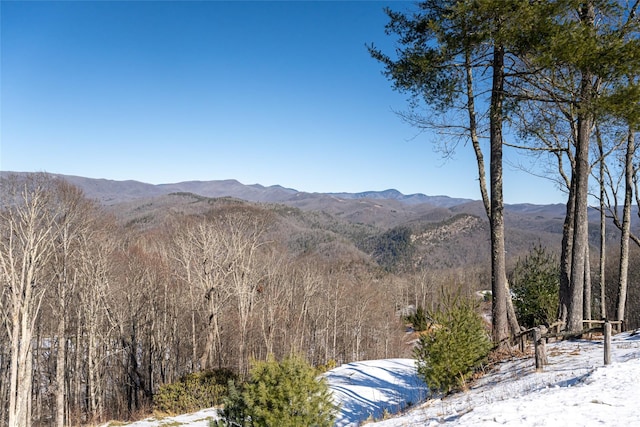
[(366, 390)]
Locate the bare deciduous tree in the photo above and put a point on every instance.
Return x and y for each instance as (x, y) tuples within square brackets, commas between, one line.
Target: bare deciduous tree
[(26, 222), (240, 239)]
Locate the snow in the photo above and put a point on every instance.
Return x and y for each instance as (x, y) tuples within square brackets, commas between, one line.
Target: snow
[(575, 388), (366, 389), (196, 419)]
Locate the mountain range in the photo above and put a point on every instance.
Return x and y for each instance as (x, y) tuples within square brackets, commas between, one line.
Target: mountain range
[(447, 231), (112, 192)]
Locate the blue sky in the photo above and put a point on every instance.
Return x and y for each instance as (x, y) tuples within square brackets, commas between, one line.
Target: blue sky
[(263, 92)]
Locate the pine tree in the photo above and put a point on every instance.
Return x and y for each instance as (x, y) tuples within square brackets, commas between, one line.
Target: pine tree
[(535, 282), (458, 344), (443, 48), (281, 394)]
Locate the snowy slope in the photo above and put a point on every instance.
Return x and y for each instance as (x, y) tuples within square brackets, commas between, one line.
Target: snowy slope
[(368, 389), (575, 389)]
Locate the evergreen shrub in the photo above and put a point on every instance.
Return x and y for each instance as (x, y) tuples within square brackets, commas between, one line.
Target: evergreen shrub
[(331, 364), (535, 284), (193, 392), (456, 344), (419, 320), (279, 394)]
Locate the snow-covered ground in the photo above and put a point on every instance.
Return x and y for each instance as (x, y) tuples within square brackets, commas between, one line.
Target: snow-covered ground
[(366, 390), (575, 389), (196, 419)]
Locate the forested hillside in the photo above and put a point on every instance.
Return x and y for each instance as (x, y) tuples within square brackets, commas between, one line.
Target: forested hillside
[(118, 299)]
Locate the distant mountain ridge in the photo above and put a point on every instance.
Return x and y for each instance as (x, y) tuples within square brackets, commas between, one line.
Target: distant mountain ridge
[(446, 231), (412, 199), (110, 192)]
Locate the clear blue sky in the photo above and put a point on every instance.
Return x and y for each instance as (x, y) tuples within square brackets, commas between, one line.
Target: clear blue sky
[(262, 92)]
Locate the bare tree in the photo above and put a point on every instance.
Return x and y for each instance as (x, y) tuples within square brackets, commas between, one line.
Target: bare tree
[(26, 222), (75, 213), (204, 266), (240, 240), (273, 309), (95, 319), (628, 176)]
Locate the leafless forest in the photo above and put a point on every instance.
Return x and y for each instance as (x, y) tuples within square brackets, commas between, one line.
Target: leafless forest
[(100, 311)]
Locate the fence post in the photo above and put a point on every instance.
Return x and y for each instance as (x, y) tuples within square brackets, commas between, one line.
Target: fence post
[(540, 349), (607, 342)]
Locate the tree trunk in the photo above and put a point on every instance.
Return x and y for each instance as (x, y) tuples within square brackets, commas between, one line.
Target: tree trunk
[(586, 312), (473, 133), (14, 412), (4, 389), (580, 236), (27, 389), (621, 299), (503, 312), (565, 255), (79, 352), (603, 234), (500, 324), (61, 355), (585, 122), (512, 319)]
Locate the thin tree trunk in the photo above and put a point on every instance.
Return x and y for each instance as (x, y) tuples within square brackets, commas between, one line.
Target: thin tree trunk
[(61, 356), (92, 376), (514, 326), (194, 340), (79, 351), (587, 284), (603, 229), (4, 390), (473, 134), (621, 299), (566, 254), (28, 390), (14, 413)]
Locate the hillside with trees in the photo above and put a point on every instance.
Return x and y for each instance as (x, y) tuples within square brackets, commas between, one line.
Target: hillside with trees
[(118, 300)]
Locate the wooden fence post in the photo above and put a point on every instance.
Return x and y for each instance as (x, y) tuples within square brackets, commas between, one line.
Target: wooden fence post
[(607, 342), (540, 349)]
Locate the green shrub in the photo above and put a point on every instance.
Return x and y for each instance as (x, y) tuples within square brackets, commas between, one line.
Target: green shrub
[(331, 364), (535, 283), (280, 394), (193, 392), (455, 346), (419, 320)]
